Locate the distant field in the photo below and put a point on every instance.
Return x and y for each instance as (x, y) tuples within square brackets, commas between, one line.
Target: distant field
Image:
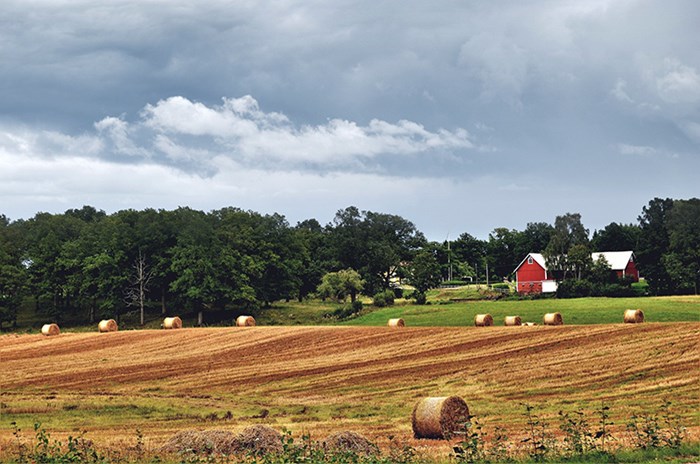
[(448, 307), (324, 379), (574, 311)]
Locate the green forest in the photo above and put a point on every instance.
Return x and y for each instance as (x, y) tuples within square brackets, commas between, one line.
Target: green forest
[(85, 264)]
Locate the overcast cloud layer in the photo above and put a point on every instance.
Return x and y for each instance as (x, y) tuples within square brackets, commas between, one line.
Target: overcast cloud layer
[(461, 116)]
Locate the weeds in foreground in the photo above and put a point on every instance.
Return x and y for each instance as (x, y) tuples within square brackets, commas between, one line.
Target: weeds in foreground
[(472, 446), (578, 436), (539, 437), (662, 434), (46, 450), (652, 431), (586, 438)]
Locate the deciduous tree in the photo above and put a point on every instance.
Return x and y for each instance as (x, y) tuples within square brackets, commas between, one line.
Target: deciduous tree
[(568, 231), (425, 271), (340, 284)]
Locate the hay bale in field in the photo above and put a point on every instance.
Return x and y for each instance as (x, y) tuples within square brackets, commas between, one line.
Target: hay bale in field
[(439, 417), (398, 322), (245, 321), (50, 330), (349, 442), (259, 439), (511, 321), (553, 319), (634, 316), (483, 320), (107, 325), (172, 323), (201, 441), (529, 324)]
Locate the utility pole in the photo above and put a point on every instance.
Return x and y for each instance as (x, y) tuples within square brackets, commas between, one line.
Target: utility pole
[(449, 259)]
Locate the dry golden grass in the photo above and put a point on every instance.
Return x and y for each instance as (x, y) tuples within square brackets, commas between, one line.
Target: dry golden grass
[(327, 379)]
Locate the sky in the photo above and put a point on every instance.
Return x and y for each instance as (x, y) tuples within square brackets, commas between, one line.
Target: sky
[(460, 116)]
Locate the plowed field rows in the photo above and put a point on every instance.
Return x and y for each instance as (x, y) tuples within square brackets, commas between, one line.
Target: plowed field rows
[(322, 379)]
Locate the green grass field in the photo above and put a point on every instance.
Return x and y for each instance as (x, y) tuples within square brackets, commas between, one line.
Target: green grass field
[(446, 307), (574, 311), (458, 306)]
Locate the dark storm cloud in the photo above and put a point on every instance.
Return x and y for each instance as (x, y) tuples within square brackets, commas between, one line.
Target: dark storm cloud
[(536, 107)]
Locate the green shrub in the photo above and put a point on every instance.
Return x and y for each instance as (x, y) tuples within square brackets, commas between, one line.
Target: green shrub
[(420, 297), (614, 290), (379, 300), (640, 288), (357, 306), (574, 289), (346, 311), (384, 298)]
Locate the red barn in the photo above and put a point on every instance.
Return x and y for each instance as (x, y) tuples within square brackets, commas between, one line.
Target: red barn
[(621, 263), (532, 275)]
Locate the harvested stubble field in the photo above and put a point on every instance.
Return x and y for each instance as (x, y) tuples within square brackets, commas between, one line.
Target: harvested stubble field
[(326, 379)]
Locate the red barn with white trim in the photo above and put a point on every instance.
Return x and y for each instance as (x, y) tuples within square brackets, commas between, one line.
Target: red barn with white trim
[(532, 275), (621, 262)]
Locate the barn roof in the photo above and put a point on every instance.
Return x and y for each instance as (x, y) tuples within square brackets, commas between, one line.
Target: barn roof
[(617, 259), (539, 259)]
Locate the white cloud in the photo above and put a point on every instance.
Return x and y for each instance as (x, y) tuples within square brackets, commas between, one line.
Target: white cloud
[(620, 91), (32, 182), (642, 150), (118, 132), (679, 83), (190, 135), (646, 151), (240, 129), (55, 144)]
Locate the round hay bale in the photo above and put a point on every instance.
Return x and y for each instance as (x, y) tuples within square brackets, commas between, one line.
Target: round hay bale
[(260, 440), (398, 322), (107, 325), (553, 319), (483, 320), (439, 417), (512, 321), (634, 316), (529, 324), (349, 442), (245, 321), (172, 323), (50, 330), (201, 441)]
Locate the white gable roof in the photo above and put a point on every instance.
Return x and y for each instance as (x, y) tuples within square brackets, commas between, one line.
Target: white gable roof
[(539, 259), (617, 259)]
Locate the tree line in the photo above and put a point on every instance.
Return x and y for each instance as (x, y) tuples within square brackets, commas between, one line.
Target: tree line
[(89, 264)]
